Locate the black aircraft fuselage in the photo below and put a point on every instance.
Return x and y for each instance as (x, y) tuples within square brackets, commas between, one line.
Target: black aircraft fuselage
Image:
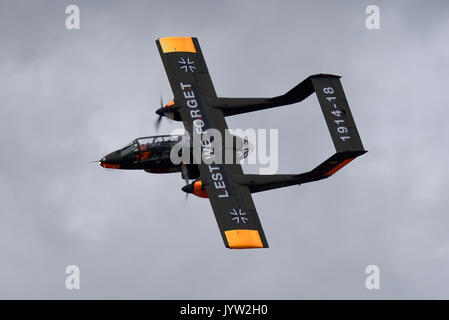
[(151, 154)]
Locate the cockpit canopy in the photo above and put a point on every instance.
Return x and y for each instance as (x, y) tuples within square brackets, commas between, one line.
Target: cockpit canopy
[(152, 148), (157, 140), (130, 148)]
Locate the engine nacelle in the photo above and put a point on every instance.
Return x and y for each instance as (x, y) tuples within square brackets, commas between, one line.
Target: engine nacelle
[(196, 188)]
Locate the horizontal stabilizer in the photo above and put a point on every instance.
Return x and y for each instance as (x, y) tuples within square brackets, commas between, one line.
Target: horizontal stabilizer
[(234, 106), (258, 183)]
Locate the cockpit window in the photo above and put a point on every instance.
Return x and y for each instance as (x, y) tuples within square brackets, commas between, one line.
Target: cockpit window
[(144, 141), (158, 139), (131, 143), (128, 150), (175, 138)]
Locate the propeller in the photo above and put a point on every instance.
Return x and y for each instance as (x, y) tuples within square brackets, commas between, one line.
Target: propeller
[(185, 174), (160, 112)]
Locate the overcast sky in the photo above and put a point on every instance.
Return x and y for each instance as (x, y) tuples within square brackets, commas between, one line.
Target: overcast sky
[(69, 97)]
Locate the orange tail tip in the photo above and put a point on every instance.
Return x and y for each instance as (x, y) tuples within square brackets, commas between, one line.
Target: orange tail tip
[(338, 166)]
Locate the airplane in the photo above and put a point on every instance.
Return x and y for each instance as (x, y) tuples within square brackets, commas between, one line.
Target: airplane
[(228, 189)]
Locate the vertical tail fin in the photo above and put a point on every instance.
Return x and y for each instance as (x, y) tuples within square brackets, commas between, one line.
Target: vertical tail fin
[(336, 112)]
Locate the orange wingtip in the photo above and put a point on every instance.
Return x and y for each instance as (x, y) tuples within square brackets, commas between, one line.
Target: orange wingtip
[(177, 44), (338, 166), (243, 239)]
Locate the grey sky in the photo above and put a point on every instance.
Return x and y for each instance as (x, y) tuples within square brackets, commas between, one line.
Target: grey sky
[(68, 97)]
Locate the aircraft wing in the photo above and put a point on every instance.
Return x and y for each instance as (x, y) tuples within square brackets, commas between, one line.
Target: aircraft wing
[(192, 87), (184, 61)]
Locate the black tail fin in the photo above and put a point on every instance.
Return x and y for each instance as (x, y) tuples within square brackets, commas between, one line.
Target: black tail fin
[(336, 112)]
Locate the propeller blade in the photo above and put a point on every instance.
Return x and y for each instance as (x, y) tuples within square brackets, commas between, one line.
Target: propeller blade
[(157, 124), (185, 174)]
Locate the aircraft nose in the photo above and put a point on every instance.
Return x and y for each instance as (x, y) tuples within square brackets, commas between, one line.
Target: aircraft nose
[(111, 161)]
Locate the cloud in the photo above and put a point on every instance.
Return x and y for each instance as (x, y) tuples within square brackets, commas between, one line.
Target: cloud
[(69, 97)]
